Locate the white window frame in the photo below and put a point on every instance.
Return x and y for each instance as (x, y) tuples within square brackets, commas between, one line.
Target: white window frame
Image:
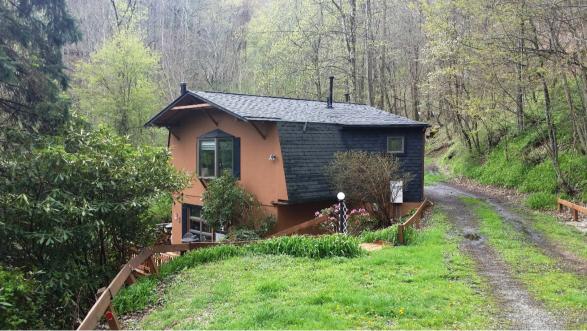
[(403, 140)]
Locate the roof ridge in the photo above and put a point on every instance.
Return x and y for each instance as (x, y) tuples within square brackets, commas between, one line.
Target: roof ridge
[(278, 97)]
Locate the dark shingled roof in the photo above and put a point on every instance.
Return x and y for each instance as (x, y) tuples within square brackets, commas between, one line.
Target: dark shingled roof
[(264, 108)]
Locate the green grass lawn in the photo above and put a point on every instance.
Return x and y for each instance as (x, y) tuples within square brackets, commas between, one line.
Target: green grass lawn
[(431, 178), (559, 290), (426, 285), (566, 236)]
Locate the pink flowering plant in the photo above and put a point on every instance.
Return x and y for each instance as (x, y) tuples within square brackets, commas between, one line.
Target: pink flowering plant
[(358, 220)]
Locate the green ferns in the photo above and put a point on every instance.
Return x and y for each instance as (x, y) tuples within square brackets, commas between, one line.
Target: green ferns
[(336, 245)]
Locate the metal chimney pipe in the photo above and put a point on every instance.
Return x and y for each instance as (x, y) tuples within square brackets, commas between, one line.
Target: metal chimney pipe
[(183, 88), (329, 103)]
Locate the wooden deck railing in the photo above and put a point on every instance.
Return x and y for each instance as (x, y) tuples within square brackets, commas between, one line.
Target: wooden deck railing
[(575, 208), (149, 258), (414, 220)]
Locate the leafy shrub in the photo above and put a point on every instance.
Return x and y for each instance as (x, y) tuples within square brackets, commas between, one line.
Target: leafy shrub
[(228, 204), (541, 200), (242, 234), (159, 211), (314, 247), (388, 234), (348, 171), (89, 188), (18, 309), (224, 201), (358, 220)]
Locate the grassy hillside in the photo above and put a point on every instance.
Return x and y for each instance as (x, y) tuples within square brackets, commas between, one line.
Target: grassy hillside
[(521, 162), (429, 284)]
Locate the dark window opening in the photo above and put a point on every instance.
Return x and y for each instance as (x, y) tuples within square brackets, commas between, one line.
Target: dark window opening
[(216, 155), (195, 228), (395, 145)]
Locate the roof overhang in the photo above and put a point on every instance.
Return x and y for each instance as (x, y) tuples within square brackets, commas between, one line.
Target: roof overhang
[(186, 103), (385, 126)]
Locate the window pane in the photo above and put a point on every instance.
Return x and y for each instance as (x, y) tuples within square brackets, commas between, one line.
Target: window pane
[(224, 156), (206, 154), (395, 144)]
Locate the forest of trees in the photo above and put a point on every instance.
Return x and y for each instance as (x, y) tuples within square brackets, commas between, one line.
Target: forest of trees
[(78, 79), (476, 68)]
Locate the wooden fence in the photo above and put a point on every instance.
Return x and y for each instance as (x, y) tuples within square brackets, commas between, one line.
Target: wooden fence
[(302, 228), (147, 261), (414, 220), (575, 208)]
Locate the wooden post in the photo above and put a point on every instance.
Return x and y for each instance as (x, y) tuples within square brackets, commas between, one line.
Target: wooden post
[(131, 279), (400, 234), (560, 207), (575, 215), (151, 265), (111, 318), (109, 314)]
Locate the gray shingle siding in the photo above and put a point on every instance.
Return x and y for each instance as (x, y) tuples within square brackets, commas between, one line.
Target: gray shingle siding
[(306, 153)]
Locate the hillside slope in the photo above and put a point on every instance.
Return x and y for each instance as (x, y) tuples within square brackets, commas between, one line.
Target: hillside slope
[(520, 162)]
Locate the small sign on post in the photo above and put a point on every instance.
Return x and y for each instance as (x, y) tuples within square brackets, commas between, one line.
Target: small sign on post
[(397, 191)]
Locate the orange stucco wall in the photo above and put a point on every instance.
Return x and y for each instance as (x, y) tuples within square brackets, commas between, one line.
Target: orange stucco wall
[(259, 175)]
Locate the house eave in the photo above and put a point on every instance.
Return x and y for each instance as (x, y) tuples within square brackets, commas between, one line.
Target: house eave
[(153, 120)]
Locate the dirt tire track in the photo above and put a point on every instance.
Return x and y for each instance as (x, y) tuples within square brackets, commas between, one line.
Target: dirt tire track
[(565, 260), (518, 309)]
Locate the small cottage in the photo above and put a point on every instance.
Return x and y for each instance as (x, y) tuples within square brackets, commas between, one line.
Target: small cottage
[(278, 148)]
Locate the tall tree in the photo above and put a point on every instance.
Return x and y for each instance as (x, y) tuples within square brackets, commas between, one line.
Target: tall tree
[(32, 34), (117, 85)]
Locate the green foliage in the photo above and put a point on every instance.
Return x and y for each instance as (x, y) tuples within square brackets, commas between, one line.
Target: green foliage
[(561, 291), (431, 178), (225, 201), (242, 234), (348, 170), (19, 301), (31, 68), (117, 86), (143, 293), (226, 204), (358, 220), (541, 200), (430, 285), (71, 211), (540, 178), (389, 235), (556, 231), (159, 209), (313, 247), (514, 164), (197, 257)]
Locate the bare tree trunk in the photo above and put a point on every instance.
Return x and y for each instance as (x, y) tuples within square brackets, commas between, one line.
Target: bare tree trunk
[(520, 88), (552, 139), (574, 120), (369, 52)]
